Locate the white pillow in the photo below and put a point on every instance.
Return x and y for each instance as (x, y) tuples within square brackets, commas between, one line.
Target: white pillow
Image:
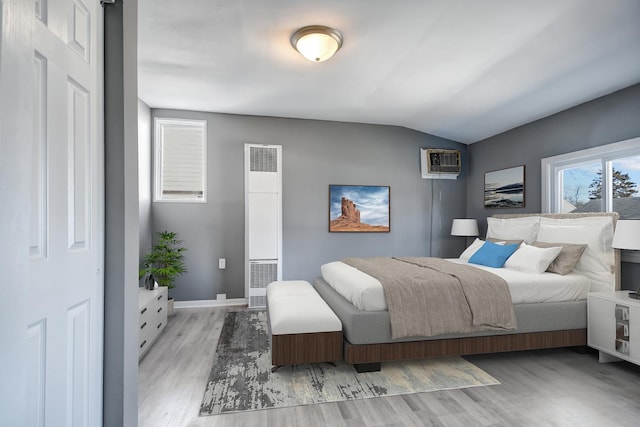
[(595, 232), (514, 228), (362, 290), (468, 253), (532, 259), (591, 265)]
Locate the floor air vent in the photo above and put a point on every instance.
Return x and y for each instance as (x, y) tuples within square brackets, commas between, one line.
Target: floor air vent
[(263, 220), (264, 159), (262, 273), (257, 301)]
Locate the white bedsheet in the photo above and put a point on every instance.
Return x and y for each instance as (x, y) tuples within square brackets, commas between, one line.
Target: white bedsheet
[(366, 292)]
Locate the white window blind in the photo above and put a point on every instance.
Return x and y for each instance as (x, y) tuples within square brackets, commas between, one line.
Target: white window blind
[(180, 166)]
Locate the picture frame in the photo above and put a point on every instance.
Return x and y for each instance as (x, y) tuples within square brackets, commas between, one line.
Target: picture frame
[(505, 188), (359, 208)]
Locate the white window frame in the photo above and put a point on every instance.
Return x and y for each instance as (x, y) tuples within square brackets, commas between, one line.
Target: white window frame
[(159, 123), (552, 178)]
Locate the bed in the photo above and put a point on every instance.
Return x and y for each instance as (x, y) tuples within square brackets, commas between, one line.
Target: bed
[(550, 309)]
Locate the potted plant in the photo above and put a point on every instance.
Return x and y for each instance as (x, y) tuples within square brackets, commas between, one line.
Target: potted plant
[(164, 263)]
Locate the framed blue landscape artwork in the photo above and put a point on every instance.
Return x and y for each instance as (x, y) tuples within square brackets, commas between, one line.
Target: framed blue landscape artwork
[(504, 188), (359, 209)]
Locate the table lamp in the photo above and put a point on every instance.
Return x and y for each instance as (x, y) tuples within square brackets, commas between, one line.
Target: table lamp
[(464, 227)]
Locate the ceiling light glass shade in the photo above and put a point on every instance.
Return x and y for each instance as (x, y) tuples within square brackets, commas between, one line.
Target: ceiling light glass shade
[(627, 235), (317, 43), (464, 227)]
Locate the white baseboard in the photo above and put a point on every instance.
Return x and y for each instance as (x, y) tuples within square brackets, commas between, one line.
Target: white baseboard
[(212, 303)]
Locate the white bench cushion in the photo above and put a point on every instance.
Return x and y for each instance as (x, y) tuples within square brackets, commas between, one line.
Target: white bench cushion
[(300, 312), (289, 287)]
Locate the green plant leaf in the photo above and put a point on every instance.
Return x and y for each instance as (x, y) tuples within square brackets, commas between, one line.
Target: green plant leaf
[(165, 260)]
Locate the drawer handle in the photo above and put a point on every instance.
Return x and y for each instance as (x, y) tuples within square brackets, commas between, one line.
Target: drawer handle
[(143, 343), (160, 309), (144, 310), (159, 325), (159, 297), (143, 325)]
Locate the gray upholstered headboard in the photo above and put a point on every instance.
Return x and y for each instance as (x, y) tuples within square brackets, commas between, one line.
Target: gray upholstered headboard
[(616, 267)]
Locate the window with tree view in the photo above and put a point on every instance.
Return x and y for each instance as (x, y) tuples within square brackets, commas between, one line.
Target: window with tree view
[(626, 196), (604, 179)]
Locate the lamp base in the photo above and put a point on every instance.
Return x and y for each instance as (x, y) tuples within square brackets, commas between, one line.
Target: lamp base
[(634, 295)]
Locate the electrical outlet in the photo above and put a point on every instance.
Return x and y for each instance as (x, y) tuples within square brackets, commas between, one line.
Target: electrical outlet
[(222, 263), (221, 297)]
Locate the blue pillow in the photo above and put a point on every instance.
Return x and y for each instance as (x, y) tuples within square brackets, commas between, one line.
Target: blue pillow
[(493, 255)]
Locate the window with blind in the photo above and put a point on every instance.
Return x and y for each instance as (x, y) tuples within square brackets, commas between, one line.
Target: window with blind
[(180, 160)]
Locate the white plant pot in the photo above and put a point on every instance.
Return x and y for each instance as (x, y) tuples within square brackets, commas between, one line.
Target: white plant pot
[(170, 307)]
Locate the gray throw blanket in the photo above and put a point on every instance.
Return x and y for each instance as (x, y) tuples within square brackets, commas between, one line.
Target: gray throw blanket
[(432, 296)]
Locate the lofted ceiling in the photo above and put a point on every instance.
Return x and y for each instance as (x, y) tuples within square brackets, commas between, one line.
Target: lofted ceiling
[(460, 69)]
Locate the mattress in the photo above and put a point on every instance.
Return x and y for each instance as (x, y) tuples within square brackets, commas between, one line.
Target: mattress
[(370, 327), (366, 292)]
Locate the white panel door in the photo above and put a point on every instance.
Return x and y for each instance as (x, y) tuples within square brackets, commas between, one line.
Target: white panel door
[(65, 330)]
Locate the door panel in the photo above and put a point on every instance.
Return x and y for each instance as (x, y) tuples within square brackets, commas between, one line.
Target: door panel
[(66, 216), (39, 185), (36, 372), (78, 166)]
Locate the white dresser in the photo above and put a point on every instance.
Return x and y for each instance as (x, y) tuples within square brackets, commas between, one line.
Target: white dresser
[(152, 307), (614, 326)]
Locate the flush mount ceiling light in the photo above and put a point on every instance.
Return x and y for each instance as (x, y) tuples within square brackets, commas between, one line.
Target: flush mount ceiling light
[(317, 43)]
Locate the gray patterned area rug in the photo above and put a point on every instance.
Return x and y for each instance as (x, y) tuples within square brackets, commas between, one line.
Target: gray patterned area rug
[(241, 377)]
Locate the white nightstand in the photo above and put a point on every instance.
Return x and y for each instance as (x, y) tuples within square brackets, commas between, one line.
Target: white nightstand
[(152, 306), (614, 326)]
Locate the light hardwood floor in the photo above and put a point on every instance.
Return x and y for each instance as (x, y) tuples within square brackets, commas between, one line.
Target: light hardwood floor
[(538, 388)]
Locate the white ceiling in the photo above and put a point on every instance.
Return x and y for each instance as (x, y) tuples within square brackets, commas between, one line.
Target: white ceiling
[(460, 69)]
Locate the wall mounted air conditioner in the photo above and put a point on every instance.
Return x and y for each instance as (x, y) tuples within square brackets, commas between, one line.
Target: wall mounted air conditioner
[(436, 163), (263, 220)]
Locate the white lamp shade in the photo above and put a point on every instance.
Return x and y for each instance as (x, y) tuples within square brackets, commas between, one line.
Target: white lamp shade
[(627, 235), (464, 227), (317, 43)]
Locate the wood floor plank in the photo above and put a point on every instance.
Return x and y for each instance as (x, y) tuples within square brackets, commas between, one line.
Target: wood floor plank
[(538, 388)]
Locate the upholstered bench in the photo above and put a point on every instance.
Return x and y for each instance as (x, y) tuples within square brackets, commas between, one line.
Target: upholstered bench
[(303, 327)]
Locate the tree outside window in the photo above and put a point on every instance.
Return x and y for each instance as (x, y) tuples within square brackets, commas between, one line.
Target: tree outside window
[(582, 187), (622, 186)]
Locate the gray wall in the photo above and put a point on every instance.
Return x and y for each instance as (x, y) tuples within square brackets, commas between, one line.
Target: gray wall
[(612, 118), (144, 178), (315, 154), (630, 275), (121, 318)]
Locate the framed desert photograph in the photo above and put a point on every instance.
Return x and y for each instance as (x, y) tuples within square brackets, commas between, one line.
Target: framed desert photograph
[(359, 209), (504, 188)]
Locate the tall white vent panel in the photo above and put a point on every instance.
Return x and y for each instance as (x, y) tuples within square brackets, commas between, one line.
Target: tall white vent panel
[(263, 220), (264, 230)]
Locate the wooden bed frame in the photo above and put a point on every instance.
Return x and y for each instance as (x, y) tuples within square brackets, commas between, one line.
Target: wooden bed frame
[(368, 357)]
